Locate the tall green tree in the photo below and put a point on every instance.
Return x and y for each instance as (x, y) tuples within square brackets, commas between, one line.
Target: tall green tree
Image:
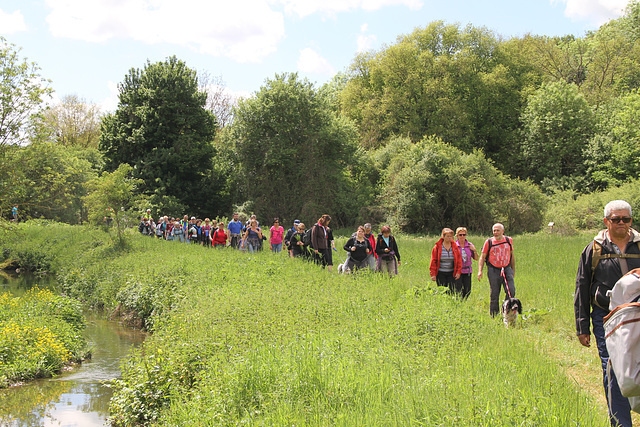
[(297, 157), (613, 156), (446, 80), (557, 126), (163, 130)]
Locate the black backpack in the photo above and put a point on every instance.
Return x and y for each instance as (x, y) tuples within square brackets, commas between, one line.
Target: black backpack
[(306, 237)]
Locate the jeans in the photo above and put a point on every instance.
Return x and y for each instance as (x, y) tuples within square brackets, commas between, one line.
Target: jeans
[(619, 405), (496, 283), (253, 245), (277, 247)]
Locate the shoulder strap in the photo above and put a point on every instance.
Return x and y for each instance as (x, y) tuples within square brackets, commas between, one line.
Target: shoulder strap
[(597, 256)]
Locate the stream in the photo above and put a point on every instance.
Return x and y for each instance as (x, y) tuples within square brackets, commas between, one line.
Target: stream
[(77, 397)]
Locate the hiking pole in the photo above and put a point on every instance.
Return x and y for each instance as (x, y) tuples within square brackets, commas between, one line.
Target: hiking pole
[(338, 255)]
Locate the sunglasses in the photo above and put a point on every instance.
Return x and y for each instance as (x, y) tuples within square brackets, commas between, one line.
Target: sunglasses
[(625, 219), (462, 234)]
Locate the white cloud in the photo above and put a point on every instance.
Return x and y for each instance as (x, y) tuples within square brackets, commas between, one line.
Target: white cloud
[(304, 8), (11, 22), (311, 62), (365, 41), (110, 104), (245, 31), (595, 11)]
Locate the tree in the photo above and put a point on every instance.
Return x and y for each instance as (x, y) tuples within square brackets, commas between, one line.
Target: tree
[(163, 130), (614, 151), (453, 82), (557, 126), (22, 90), (297, 156), (72, 122), (47, 180), (219, 101), (112, 200)]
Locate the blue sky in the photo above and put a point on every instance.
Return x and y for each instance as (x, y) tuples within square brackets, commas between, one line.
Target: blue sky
[(86, 47)]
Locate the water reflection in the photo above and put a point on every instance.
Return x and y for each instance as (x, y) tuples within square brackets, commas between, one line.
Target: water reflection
[(78, 397)]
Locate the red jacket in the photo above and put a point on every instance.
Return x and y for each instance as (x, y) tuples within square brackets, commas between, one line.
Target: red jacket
[(372, 240), (435, 259)]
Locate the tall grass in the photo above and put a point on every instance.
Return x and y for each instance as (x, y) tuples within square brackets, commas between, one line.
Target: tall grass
[(264, 339)]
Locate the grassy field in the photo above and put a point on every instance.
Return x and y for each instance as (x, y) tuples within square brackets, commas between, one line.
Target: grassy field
[(266, 340)]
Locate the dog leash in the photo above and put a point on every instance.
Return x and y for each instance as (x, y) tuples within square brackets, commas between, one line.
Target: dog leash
[(504, 280)]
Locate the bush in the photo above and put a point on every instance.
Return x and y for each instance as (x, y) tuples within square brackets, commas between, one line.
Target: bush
[(572, 212), (430, 185)]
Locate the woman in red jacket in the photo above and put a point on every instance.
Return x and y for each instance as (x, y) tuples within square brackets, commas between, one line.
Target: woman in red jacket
[(446, 261)]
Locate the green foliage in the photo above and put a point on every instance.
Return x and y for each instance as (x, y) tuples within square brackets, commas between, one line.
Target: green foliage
[(612, 157), (430, 185), (557, 125), (39, 333), (443, 80), (22, 90), (112, 197), (47, 180), (572, 212), (298, 159), (162, 129), (71, 122)]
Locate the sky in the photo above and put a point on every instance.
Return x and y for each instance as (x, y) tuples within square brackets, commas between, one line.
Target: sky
[(86, 47)]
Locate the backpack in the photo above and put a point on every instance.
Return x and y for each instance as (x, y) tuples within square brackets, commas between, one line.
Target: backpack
[(507, 240), (597, 256), (306, 237), (622, 334)]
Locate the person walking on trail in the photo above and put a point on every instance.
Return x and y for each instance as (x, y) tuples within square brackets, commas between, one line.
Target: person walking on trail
[(611, 254), (497, 252), (14, 212), (446, 262), (320, 241), (235, 231)]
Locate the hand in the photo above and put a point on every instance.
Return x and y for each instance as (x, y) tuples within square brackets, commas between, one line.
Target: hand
[(433, 278), (479, 275), (386, 249), (353, 248), (457, 276), (585, 340)]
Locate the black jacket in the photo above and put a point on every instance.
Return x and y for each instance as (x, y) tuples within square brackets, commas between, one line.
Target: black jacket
[(594, 292), (381, 245)]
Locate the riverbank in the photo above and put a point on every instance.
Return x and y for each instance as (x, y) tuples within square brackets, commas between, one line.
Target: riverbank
[(266, 339), (40, 334)]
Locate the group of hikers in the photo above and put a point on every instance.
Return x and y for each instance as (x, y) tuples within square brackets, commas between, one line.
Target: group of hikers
[(314, 243)]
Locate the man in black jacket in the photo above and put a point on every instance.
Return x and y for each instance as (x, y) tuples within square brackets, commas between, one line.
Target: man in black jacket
[(611, 254)]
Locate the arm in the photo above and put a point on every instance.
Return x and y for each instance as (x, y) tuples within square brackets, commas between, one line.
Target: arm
[(582, 299), (481, 261), (474, 252), (433, 266)]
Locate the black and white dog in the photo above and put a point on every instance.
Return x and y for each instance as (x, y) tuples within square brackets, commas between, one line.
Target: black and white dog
[(511, 307)]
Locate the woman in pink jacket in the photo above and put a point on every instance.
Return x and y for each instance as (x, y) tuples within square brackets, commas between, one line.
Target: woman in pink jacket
[(276, 236)]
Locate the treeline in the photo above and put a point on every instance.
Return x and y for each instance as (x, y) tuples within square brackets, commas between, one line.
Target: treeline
[(450, 125)]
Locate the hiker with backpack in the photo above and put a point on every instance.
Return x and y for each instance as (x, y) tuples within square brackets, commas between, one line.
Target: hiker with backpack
[(359, 248), (387, 250), (320, 241), (497, 252), (296, 242), (252, 237), (611, 254)]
